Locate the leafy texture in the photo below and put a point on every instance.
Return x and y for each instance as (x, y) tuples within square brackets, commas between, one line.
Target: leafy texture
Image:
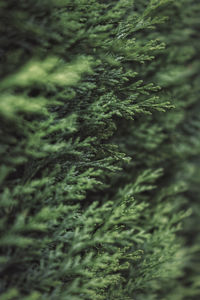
[(99, 150)]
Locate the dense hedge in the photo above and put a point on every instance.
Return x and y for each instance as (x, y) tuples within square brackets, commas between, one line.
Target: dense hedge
[(100, 142)]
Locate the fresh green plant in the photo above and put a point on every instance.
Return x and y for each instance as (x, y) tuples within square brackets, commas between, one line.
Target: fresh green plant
[(99, 149)]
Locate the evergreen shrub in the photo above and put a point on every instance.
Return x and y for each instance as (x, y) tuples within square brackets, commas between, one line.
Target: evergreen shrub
[(100, 142)]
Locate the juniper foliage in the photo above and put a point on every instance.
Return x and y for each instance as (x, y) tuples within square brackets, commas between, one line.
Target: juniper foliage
[(99, 149)]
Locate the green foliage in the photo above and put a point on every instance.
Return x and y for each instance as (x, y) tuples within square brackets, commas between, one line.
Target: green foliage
[(99, 150)]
